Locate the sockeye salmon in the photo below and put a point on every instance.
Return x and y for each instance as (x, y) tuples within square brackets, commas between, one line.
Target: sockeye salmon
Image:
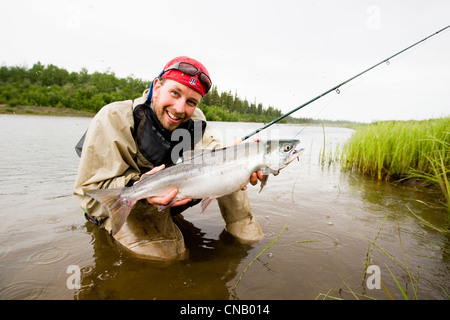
[(203, 174)]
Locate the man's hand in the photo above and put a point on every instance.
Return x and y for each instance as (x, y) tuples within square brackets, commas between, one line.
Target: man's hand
[(257, 175), (168, 198)]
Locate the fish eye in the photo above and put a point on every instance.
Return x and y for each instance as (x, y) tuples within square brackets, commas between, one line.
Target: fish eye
[(287, 148)]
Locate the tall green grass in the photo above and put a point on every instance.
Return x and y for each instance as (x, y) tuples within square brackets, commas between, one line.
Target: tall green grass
[(396, 150)]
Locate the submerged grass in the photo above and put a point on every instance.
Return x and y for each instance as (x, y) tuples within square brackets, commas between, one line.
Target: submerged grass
[(409, 280), (264, 250), (398, 150)]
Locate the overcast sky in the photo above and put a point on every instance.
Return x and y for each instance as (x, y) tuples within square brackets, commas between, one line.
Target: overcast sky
[(280, 53)]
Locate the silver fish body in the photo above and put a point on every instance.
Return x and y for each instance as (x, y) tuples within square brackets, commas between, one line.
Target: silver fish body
[(203, 174)]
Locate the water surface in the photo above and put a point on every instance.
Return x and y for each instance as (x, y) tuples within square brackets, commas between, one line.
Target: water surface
[(330, 218)]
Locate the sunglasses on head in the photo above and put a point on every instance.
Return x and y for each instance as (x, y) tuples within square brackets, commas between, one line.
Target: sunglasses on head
[(191, 70)]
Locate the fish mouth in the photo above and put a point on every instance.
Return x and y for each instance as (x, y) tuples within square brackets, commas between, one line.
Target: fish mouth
[(298, 150)]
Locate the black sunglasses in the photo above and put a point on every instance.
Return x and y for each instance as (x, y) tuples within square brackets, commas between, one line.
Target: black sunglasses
[(191, 70)]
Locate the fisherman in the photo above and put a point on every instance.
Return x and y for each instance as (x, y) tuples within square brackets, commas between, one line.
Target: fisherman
[(127, 140)]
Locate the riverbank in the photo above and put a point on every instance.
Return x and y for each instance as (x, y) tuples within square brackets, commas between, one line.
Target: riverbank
[(68, 112), (399, 150), (46, 111)]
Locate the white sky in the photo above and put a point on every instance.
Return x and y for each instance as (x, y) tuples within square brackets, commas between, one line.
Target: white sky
[(280, 53)]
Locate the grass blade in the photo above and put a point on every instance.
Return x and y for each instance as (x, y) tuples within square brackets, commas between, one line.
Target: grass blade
[(398, 284), (264, 250)]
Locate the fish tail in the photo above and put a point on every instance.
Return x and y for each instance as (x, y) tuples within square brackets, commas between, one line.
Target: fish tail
[(118, 207)]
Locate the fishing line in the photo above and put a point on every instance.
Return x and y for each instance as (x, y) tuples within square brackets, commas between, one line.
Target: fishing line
[(337, 87), (318, 113)]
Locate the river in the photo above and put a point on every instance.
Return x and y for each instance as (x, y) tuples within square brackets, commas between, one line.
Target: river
[(330, 218)]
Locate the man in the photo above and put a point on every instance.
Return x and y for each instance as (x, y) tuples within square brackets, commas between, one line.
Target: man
[(128, 139)]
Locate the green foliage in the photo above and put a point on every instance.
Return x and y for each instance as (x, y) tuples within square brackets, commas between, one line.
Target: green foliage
[(50, 86), (390, 149), (228, 107), (393, 150), (319, 122)]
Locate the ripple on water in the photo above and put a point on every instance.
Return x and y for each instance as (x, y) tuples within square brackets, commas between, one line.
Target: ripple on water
[(54, 220), (23, 290), (8, 234), (318, 240), (4, 252), (48, 256)]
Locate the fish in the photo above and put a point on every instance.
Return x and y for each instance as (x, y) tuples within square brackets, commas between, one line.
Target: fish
[(202, 174)]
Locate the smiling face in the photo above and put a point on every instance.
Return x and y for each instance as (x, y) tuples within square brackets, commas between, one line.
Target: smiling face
[(173, 103)]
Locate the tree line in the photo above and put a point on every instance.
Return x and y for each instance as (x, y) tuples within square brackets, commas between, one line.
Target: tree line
[(226, 106), (51, 86)]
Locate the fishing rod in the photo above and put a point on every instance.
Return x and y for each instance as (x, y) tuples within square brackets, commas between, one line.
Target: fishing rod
[(336, 88)]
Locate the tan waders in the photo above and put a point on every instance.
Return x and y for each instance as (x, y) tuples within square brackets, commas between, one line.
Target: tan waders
[(240, 223), (152, 234)]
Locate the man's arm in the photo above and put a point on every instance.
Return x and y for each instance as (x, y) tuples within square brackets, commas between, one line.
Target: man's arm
[(108, 157)]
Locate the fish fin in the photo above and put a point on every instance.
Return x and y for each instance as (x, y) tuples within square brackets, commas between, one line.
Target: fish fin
[(196, 156), (161, 207), (118, 208), (264, 181), (266, 172), (190, 154), (206, 203)]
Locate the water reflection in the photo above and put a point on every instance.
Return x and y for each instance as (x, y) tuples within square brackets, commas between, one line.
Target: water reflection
[(407, 241), (116, 274)]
